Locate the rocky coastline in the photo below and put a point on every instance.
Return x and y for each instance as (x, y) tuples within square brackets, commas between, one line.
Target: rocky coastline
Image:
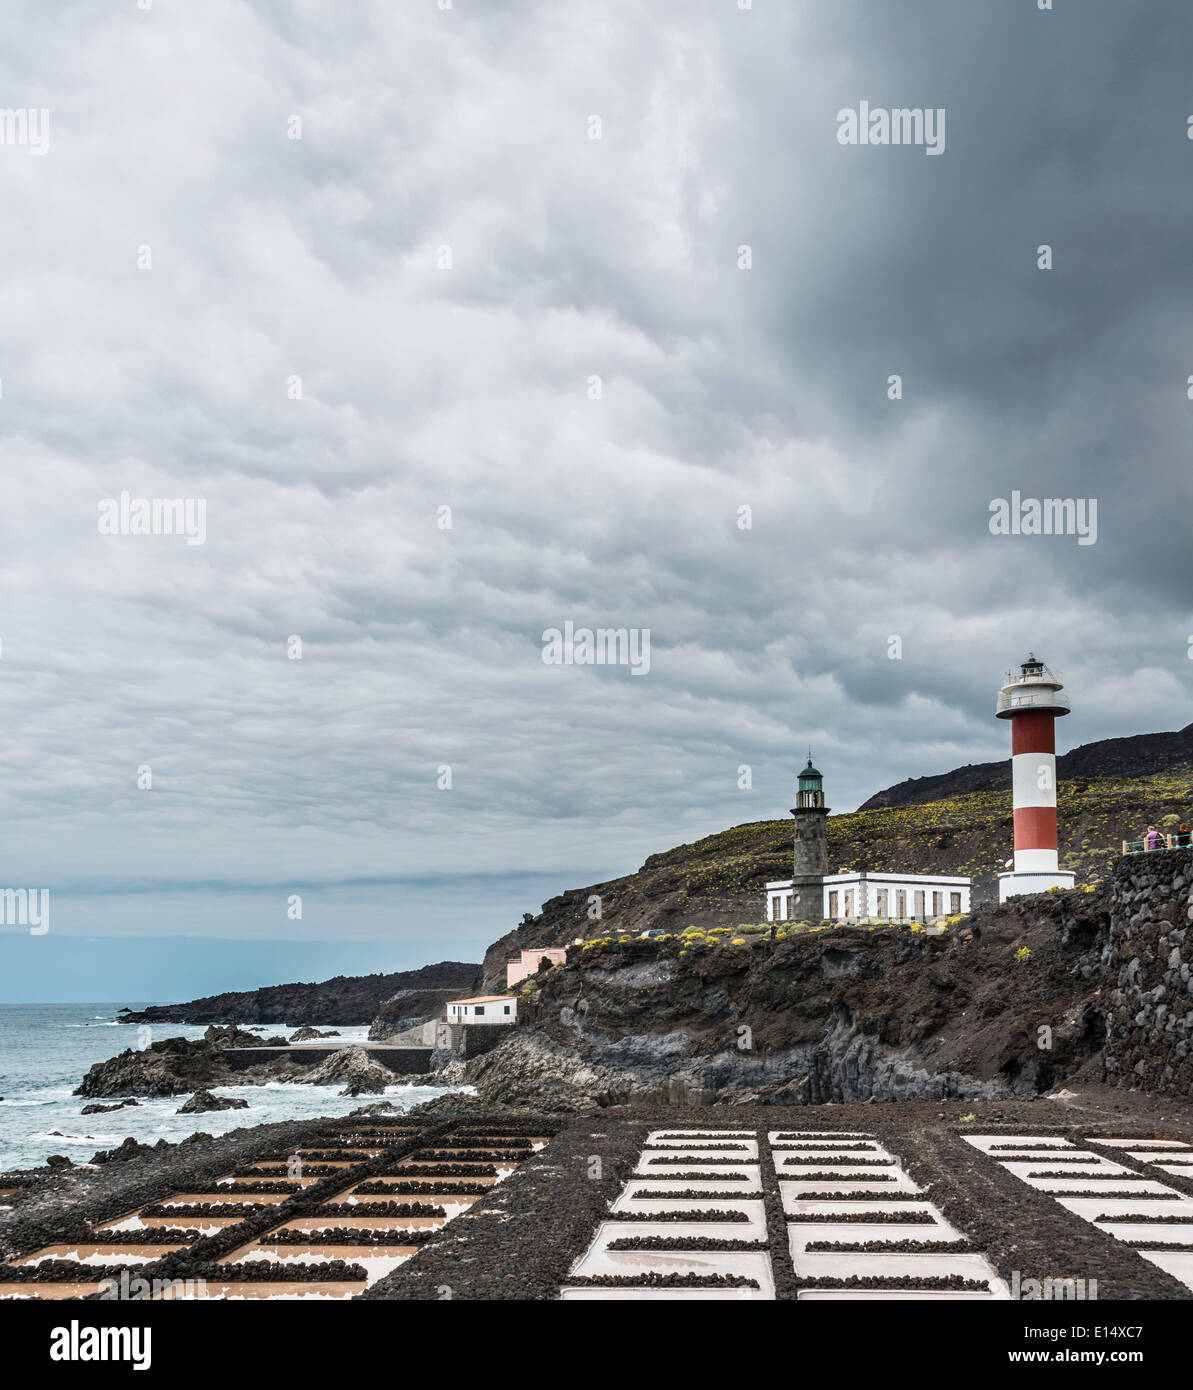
[(346, 1000), (178, 1066), (833, 1014), (1014, 1000)]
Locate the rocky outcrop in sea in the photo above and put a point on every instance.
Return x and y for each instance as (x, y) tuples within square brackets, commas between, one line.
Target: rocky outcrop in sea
[(359, 1072), (203, 1101), (181, 1066)]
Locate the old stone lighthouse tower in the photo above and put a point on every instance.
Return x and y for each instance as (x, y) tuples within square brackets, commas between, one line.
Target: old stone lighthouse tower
[(811, 848)]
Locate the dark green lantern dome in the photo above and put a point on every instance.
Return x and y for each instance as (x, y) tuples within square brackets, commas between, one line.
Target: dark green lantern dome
[(810, 789)]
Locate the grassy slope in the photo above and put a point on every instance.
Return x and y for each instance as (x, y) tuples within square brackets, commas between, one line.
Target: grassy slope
[(970, 834), (718, 881)]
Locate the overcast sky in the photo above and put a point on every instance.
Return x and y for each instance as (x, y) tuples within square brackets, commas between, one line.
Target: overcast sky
[(174, 259)]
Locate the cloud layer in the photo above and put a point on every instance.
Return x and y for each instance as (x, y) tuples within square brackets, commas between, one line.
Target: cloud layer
[(466, 133)]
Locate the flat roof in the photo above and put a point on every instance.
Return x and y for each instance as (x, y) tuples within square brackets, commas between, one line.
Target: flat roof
[(485, 999), (873, 876)]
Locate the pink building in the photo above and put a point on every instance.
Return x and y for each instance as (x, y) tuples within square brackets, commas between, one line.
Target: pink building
[(517, 970)]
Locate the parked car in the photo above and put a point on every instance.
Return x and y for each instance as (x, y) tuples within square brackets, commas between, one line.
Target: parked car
[(652, 932)]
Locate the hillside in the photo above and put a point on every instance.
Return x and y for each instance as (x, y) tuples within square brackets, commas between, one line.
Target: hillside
[(718, 881), (1138, 756), (348, 999)]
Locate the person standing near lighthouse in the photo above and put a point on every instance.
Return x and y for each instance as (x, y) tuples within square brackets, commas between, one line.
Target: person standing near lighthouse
[(1032, 702)]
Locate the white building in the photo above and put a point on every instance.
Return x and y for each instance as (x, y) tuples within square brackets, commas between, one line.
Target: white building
[(484, 1008), (889, 897)]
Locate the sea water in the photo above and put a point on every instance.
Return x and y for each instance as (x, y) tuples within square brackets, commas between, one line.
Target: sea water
[(47, 1049)]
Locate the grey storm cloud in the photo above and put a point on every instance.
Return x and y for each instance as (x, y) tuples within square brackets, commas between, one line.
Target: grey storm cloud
[(428, 131)]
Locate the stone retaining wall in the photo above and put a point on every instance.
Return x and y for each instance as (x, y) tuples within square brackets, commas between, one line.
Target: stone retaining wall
[(1149, 981)]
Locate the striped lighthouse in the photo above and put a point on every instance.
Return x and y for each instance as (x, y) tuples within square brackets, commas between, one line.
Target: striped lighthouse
[(1032, 702)]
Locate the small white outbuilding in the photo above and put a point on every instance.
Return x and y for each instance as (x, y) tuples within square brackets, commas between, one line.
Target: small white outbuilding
[(484, 1008)]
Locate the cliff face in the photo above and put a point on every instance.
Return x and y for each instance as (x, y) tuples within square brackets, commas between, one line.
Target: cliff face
[(1137, 756), (840, 1014), (348, 999)]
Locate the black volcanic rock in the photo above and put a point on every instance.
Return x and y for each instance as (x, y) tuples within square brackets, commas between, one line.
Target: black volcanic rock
[(346, 999), (177, 1066), (1140, 755), (129, 1150), (356, 1069), (203, 1101), (231, 1036), (762, 1022), (167, 1068)]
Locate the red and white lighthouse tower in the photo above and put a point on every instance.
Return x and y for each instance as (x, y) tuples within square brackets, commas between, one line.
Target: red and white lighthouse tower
[(1032, 702)]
